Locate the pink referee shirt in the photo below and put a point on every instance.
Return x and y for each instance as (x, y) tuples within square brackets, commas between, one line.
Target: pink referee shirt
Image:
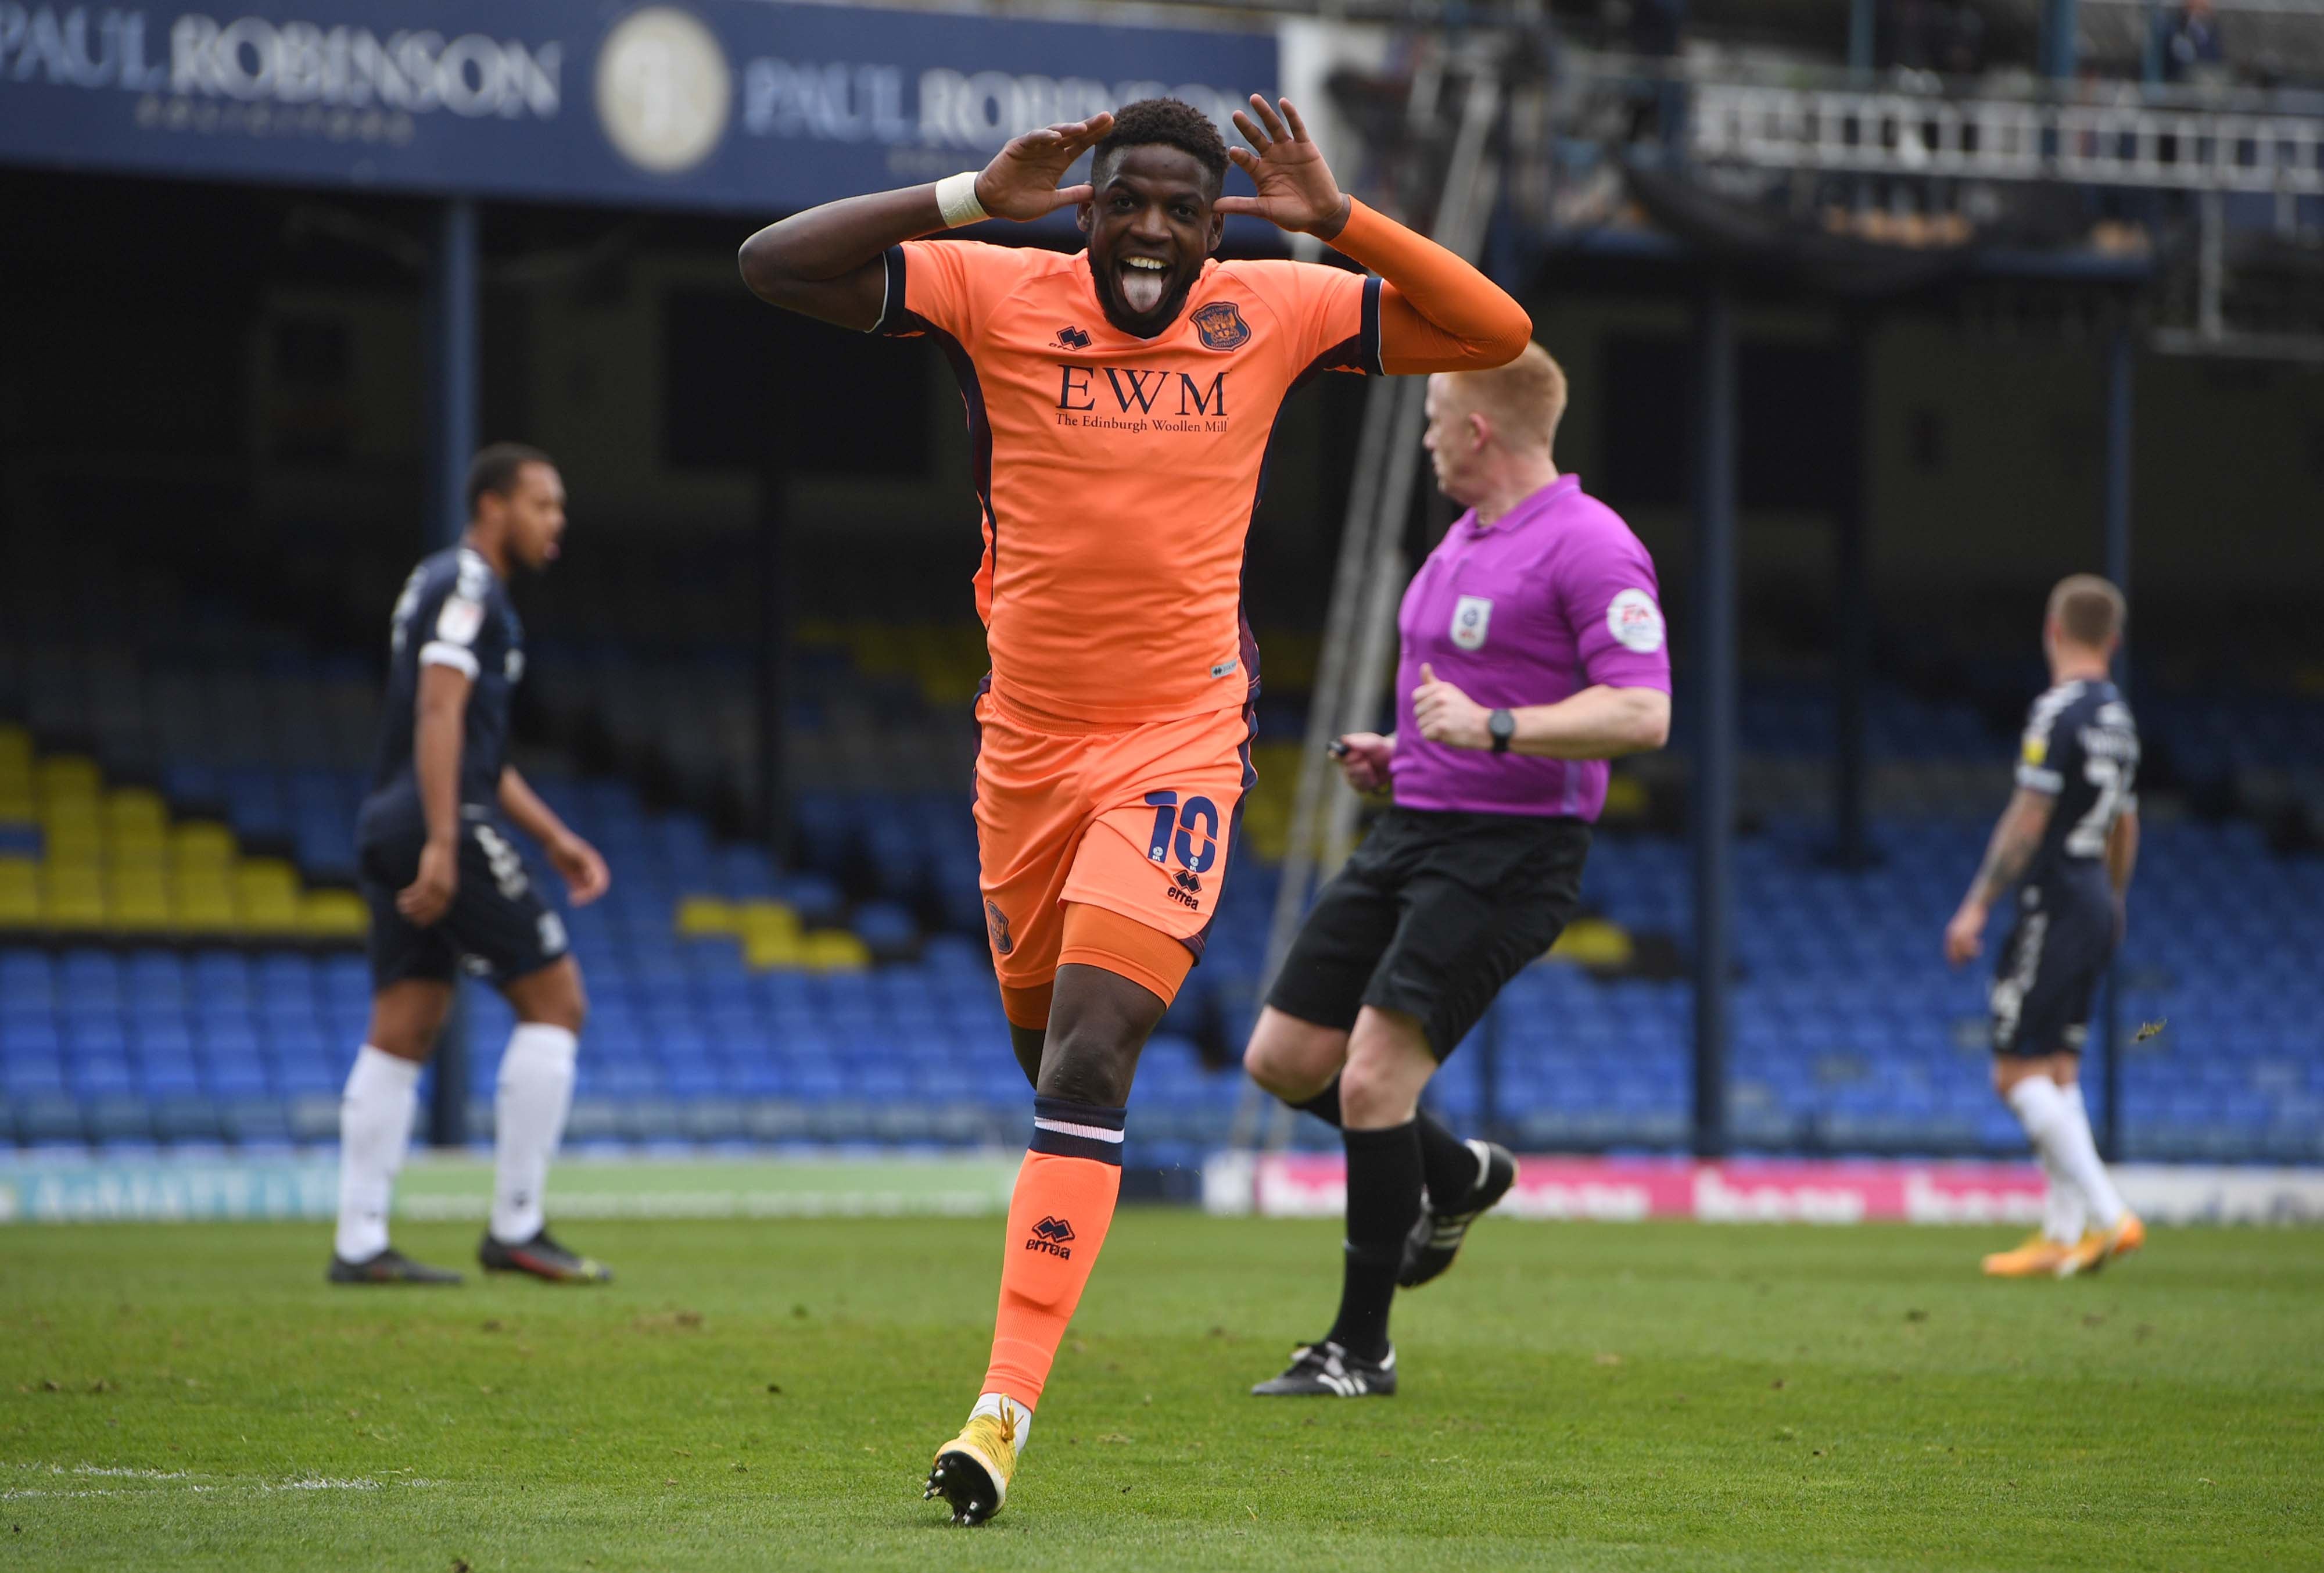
[(1556, 596)]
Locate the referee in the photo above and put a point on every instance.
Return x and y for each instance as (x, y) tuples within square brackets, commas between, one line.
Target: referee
[(1532, 651)]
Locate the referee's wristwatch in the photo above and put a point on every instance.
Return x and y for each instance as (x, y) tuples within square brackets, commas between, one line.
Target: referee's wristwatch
[(1502, 727)]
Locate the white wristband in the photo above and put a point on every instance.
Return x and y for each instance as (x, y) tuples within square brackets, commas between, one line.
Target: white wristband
[(956, 199)]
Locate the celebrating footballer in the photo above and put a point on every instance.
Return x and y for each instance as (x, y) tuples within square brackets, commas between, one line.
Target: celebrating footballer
[(1119, 402)]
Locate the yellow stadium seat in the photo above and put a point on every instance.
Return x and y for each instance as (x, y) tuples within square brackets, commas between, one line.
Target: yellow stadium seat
[(772, 949), (1290, 660), (69, 777), (765, 919), (266, 896), (75, 847), (834, 951), (141, 909), (1626, 798), (877, 649), (265, 878), (72, 899), (20, 893), (334, 915), (138, 879), (274, 915), (1594, 943), (700, 915), (15, 748), (131, 809), (203, 905), (71, 819), (17, 807), (201, 842), (138, 850)]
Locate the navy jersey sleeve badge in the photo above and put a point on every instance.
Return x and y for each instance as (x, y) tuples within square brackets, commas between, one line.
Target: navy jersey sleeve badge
[(1221, 326)]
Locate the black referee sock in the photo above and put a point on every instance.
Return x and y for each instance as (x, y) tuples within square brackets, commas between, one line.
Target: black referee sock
[(1447, 1164), (1384, 1179)]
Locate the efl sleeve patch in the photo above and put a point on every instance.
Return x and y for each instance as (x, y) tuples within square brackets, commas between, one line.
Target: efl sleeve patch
[(1636, 622), (460, 621)]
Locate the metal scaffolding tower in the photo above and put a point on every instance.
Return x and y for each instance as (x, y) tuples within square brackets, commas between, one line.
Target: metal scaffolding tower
[(1360, 628)]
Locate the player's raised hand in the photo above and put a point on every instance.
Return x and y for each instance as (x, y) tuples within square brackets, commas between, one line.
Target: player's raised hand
[(582, 867), (1445, 714), (1022, 181), (1296, 188), (429, 894)]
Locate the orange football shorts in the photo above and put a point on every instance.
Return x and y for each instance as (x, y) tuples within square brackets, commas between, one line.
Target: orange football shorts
[(1131, 819)]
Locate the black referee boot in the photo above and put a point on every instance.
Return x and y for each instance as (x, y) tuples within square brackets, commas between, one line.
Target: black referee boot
[(1324, 1370), (1435, 1238)]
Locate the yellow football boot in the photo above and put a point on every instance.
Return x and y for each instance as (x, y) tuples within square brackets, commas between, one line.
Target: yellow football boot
[(2101, 1246), (972, 1471), (2037, 1257)]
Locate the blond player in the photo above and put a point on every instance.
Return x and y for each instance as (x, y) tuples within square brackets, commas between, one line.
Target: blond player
[(2068, 843)]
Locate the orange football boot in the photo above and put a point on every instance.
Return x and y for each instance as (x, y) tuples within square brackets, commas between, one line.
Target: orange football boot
[(2102, 1247)]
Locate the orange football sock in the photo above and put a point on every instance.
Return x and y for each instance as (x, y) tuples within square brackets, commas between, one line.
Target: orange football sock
[(1057, 1220)]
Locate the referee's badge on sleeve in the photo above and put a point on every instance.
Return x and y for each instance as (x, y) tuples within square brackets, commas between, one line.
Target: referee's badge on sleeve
[(1470, 617), (1636, 622)]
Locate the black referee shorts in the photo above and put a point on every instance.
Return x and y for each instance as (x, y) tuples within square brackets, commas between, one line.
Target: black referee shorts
[(1433, 913), (2049, 968), (497, 921)]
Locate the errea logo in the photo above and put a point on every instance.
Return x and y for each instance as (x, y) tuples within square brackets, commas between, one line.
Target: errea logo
[(1070, 337), (1051, 1236)]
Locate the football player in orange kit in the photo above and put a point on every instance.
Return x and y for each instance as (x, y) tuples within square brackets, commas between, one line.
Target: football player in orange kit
[(1120, 403)]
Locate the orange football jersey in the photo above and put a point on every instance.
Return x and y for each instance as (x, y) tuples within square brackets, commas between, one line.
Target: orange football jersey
[(1117, 477)]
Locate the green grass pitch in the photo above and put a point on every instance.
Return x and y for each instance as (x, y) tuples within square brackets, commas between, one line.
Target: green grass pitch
[(767, 1394)]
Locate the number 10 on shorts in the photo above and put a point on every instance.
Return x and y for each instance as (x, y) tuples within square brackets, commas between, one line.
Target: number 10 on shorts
[(1197, 817)]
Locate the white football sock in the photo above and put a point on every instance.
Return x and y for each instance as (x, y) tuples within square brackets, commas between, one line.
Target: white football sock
[(536, 1093), (2062, 1138), (1001, 1403), (374, 1134), (2111, 1209), (2063, 1211)]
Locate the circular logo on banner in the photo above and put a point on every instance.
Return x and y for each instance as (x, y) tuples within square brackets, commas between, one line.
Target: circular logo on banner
[(1634, 619), (663, 90)]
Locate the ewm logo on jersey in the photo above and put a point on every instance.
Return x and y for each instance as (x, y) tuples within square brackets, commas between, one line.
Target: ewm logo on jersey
[(1140, 399), (1052, 1235)]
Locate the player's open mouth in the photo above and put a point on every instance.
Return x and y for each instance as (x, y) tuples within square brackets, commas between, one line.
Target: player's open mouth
[(1142, 281)]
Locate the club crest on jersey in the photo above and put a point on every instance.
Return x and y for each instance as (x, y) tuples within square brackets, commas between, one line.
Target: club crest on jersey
[(1221, 326), (1471, 618), (996, 922)]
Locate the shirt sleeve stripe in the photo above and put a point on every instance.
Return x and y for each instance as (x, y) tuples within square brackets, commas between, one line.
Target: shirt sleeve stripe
[(1370, 331), (892, 312), (2041, 780), (440, 653)]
